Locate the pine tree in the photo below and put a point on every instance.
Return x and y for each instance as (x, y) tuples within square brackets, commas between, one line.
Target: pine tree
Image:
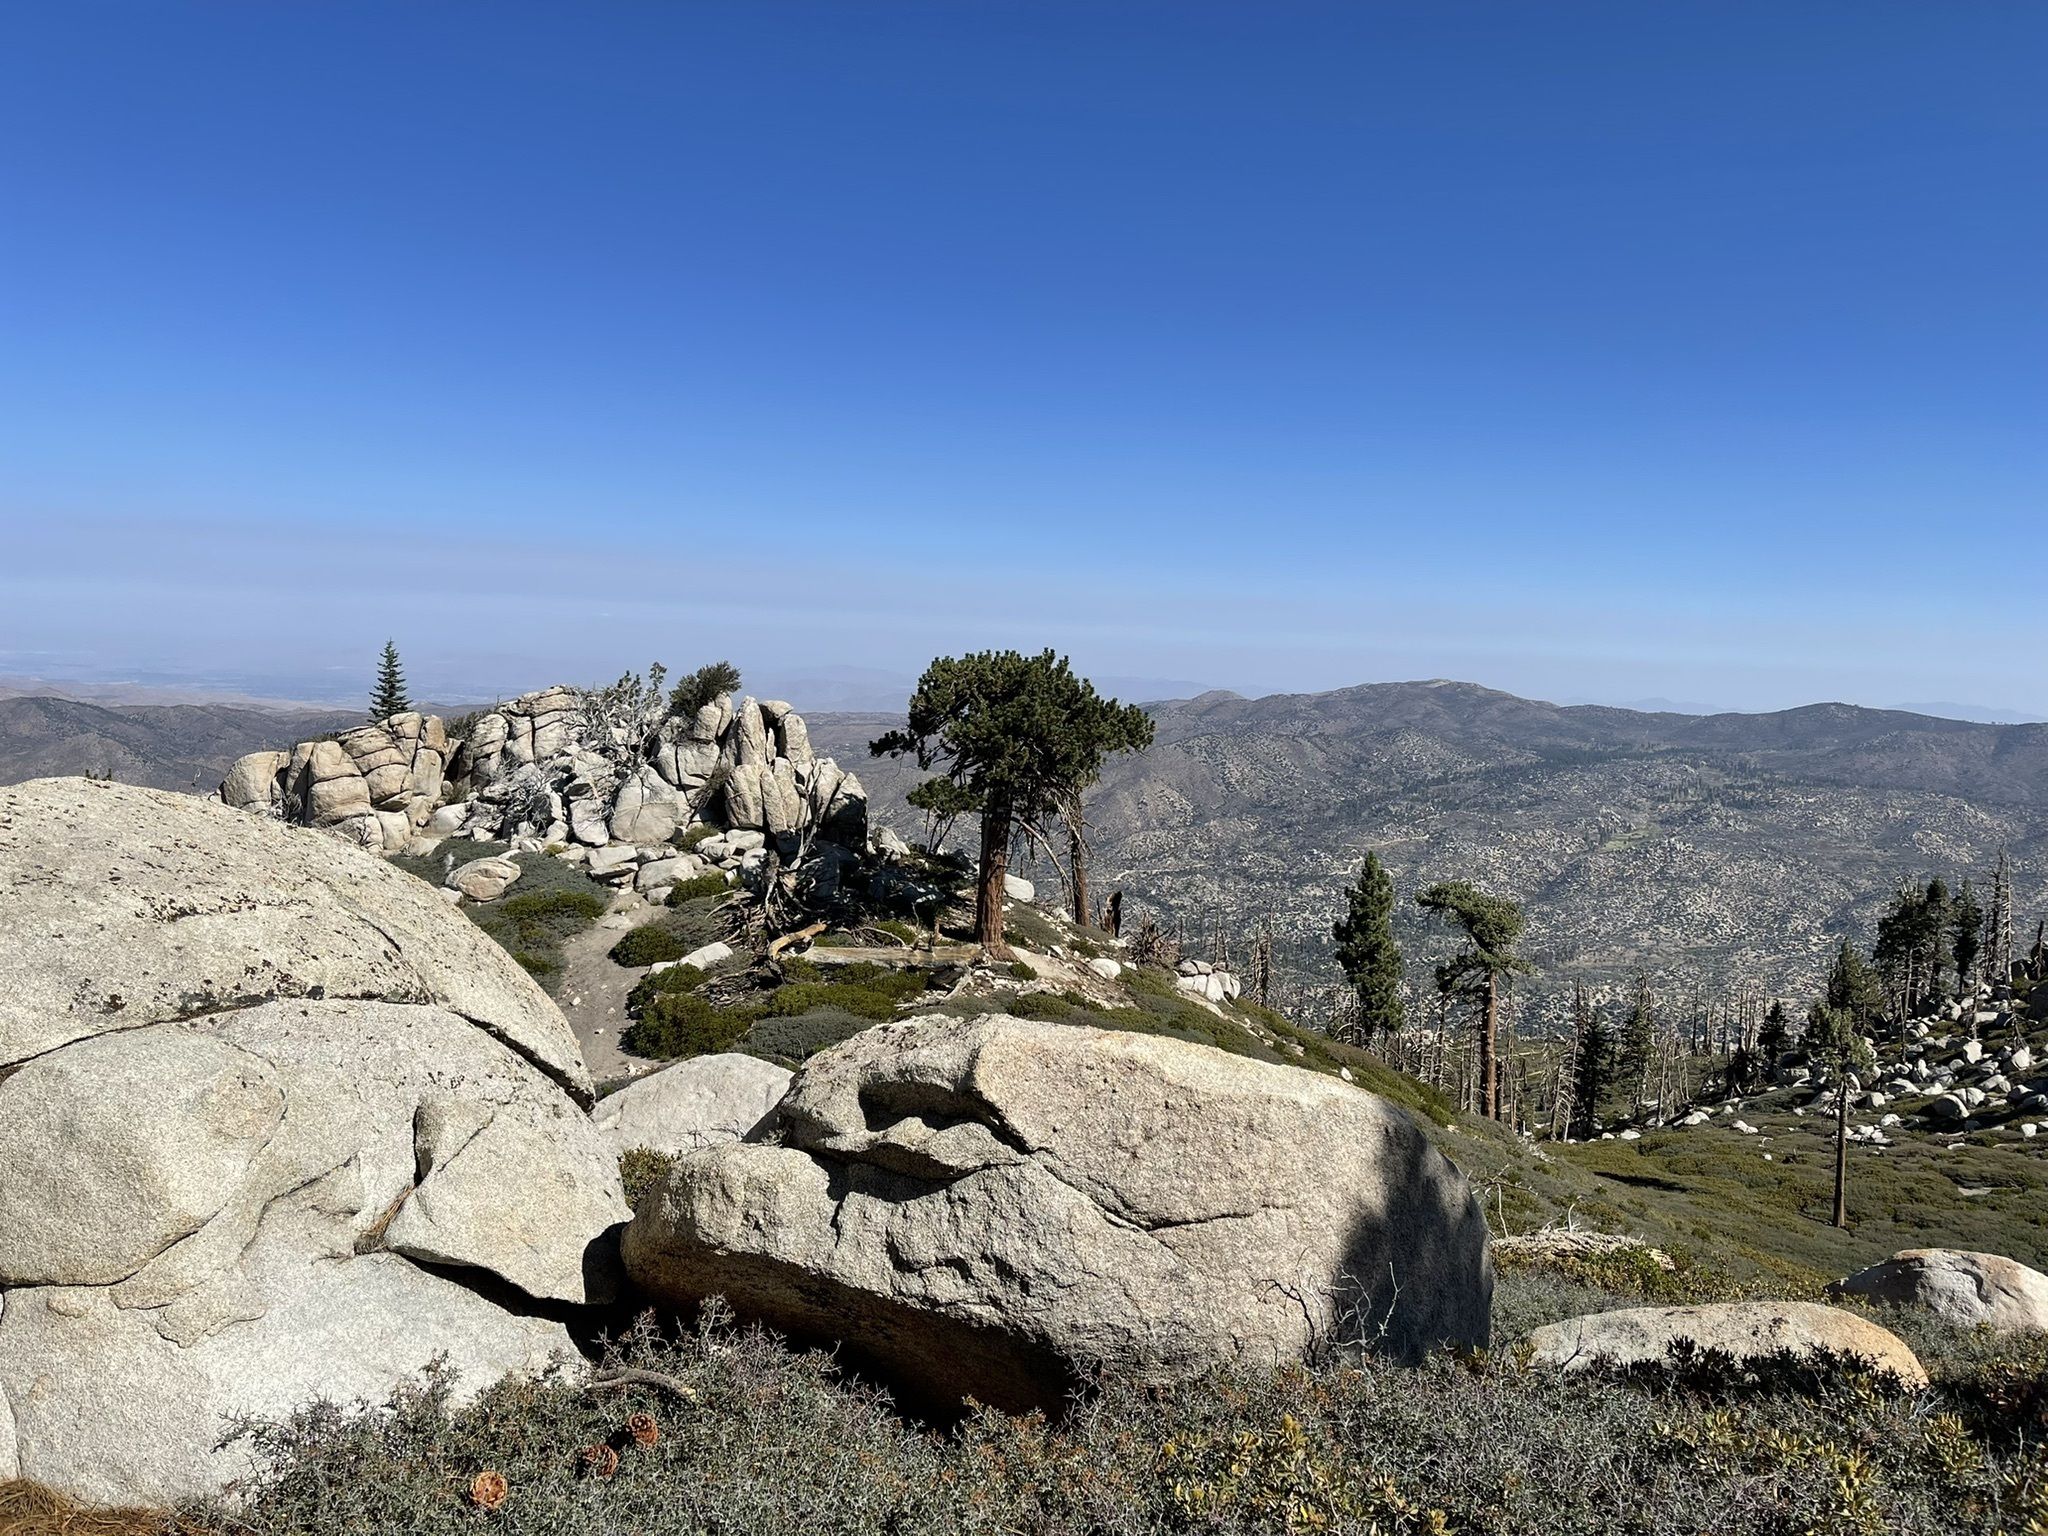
[(1834, 1040), (1853, 990), (389, 697), (1020, 734), (1935, 918), (1492, 926), (1776, 1035), (1966, 928), (1367, 954), (1592, 1076), (1638, 1042)]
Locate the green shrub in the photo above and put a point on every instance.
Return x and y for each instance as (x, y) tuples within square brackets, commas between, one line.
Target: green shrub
[(683, 892), (673, 978), (866, 990), (1019, 971), (1057, 1008), (797, 1039), (433, 867), (690, 839), (551, 904), (1484, 1446), (648, 944), (641, 1169), (680, 1024), (695, 923)]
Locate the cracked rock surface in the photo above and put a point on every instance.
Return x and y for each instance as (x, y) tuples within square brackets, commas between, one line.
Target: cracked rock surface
[(130, 906), (325, 1136), (995, 1207)]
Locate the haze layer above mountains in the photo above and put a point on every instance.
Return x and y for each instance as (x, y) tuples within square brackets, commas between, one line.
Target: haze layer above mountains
[(1739, 845)]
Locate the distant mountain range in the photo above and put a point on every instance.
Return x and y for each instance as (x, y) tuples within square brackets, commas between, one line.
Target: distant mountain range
[(166, 746), (1733, 846), (1737, 847)]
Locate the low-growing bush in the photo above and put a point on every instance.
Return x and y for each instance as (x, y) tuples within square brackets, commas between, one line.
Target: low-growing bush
[(649, 944), (683, 929), (680, 1024), (1485, 1446), (795, 1040), (671, 978), (551, 903), (863, 989), (683, 892), (449, 853), (641, 1169), (690, 839)]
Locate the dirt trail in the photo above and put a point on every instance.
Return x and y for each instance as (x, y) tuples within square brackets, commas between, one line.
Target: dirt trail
[(592, 993)]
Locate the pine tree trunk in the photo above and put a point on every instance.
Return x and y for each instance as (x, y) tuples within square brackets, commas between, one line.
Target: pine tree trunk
[(1077, 861), (1842, 1152), (1489, 1068), (995, 867)]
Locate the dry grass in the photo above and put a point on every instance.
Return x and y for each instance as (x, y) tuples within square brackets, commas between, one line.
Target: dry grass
[(29, 1509)]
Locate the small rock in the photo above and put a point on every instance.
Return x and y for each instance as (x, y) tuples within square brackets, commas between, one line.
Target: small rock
[(484, 879)]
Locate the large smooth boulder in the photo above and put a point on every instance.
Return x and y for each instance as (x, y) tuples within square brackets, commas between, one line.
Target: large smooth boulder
[(1959, 1287), (276, 1127), (1746, 1331), (129, 906), (995, 1207), (702, 1102), (256, 782)]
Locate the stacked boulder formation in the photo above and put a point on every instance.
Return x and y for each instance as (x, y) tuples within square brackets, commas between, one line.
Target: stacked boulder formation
[(549, 769), (376, 785)]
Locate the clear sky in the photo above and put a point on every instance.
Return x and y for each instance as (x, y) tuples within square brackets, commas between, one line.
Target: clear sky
[(1585, 350)]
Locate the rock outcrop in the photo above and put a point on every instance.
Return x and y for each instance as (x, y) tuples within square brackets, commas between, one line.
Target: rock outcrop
[(996, 1207), (1958, 1286), (279, 1126), (1745, 1331), (376, 785), (605, 782), (702, 1102)]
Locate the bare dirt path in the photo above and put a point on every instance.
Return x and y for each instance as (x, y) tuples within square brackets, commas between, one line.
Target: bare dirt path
[(592, 993)]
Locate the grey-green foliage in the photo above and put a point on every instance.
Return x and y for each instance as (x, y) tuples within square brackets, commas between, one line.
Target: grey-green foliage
[(772, 1442)]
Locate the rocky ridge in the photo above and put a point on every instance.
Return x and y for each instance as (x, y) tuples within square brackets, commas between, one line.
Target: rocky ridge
[(567, 770)]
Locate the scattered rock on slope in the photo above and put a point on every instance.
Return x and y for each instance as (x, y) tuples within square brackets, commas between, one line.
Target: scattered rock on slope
[(1959, 1287), (1744, 1330), (993, 1207), (280, 1126)]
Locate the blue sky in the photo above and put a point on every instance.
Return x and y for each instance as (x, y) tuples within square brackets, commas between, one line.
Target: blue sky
[(1589, 351)]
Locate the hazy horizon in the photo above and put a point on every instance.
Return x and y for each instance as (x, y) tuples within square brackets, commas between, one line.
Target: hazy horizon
[(827, 689)]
